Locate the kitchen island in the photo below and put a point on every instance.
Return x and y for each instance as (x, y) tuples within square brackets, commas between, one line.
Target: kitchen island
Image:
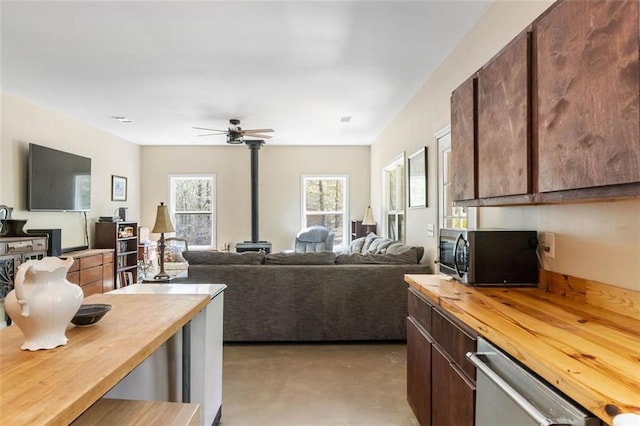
[(56, 386), (589, 353)]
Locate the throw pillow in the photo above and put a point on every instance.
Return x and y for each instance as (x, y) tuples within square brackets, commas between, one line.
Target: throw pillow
[(367, 241), (173, 254), (397, 248), (378, 245), (308, 258), (201, 257), (356, 245)]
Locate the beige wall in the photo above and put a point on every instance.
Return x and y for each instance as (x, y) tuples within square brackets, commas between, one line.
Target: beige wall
[(280, 170), (24, 122), (598, 241)]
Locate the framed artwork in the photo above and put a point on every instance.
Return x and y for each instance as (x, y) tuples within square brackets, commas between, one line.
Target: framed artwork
[(418, 179), (118, 188)]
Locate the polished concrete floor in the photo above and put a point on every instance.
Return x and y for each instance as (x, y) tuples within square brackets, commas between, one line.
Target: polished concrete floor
[(315, 384)]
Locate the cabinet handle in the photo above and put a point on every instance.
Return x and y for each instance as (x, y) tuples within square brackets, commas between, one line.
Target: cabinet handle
[(533, 412)]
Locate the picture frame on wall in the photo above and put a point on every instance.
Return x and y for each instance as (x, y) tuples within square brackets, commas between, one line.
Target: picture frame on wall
[(118, 188), (418, 185)]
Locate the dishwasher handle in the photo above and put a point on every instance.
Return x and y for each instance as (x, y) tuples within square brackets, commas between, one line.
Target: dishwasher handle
[(533, 412)]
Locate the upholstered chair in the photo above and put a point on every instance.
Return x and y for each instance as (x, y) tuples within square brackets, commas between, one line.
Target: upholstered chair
[(314, 238)]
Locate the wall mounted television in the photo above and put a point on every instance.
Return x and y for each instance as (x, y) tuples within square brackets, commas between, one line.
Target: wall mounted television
[(57, 180)]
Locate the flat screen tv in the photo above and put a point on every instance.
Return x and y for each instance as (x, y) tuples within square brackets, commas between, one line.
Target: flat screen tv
[(58, 180)]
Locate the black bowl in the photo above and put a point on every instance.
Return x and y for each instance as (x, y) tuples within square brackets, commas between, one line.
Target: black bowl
[(90, 314)]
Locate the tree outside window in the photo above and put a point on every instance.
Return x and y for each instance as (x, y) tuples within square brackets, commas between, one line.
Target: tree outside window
[(325, 203), (192, 208)]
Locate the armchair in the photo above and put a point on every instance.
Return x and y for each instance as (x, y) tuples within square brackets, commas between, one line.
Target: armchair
[(314, 238)]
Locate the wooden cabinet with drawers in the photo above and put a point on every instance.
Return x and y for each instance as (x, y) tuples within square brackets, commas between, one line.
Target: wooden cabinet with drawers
[(440, 380), (92, 270)]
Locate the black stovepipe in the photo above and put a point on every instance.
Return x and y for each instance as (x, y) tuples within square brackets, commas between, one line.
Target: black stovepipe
[(254, 146)]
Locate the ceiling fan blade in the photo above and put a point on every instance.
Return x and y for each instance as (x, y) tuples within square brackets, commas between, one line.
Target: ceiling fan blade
[(213, 130), (258, 135), (257, 131), (211, 134)]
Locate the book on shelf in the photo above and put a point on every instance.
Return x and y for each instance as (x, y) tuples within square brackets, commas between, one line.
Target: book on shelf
[(124, 279)]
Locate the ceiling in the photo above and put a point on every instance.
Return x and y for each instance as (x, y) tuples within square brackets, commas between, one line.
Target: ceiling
[(294, 66)]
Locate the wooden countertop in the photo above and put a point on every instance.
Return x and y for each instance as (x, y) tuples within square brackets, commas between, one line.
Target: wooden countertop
[(55, 386), (590, 354)]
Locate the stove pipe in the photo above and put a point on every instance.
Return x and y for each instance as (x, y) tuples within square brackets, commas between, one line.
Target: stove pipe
[(254, 146)]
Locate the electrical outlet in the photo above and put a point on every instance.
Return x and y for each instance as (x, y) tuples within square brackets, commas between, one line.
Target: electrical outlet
[(550, 245)]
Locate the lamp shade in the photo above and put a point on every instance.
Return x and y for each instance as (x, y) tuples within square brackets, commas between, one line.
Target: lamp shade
[(368, 218), (163, 221)]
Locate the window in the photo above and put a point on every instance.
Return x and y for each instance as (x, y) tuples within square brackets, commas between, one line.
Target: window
[(394, 194), (324, 202), (450, 216), (192, 206)]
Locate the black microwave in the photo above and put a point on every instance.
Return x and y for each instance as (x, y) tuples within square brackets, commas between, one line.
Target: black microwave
[(489, 257)]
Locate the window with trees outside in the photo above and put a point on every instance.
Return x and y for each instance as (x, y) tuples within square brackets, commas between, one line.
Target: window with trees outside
[(192, 206), (394, 195), (324, 202)]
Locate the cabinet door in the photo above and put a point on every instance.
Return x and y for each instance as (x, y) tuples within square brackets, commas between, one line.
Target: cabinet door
[(418, 372), (588, 95), (463, 142), (504, 136), (453, 396)]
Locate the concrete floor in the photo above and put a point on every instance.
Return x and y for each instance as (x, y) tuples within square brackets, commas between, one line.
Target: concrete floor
[(315, 384)]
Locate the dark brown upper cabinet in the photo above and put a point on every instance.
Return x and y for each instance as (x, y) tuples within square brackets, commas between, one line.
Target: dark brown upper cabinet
[(504, 132), (588, 77), (463, 141), (557, 111)]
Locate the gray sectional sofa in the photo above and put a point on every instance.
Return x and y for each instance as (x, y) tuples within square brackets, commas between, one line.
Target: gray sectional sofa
[(323, 296)]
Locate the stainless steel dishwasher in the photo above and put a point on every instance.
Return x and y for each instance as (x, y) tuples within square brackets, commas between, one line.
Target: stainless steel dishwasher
[(508, 395)]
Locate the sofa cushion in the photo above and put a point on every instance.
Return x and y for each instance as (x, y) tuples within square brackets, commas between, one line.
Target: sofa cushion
[(201, 257), (306, 258), (407, 257)]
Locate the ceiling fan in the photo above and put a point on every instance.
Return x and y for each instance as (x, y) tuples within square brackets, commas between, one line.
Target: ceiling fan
[(235, 133)]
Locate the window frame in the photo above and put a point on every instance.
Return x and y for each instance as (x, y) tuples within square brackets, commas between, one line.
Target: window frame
[(345, 212), (399, 213), (214, 204)]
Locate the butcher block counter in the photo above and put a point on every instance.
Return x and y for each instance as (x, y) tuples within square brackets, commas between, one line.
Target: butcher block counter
[(590, 354), (55, 386)]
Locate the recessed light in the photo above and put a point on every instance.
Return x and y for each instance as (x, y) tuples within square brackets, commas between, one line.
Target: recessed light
[(121, 119), (345, 119)]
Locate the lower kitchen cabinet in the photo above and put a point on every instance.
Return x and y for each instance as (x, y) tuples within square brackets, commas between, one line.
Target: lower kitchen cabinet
[(453, 394), (419, 377), (440, 383)]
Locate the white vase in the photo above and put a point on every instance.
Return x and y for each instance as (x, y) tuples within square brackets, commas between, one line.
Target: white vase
[(43, 302)]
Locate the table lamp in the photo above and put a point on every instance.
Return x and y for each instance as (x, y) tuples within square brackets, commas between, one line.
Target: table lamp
[(163, 224), (368, 219)]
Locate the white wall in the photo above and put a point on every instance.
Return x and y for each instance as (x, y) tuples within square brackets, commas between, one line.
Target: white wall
[(598, 241), (280, 170), (24, 122)]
